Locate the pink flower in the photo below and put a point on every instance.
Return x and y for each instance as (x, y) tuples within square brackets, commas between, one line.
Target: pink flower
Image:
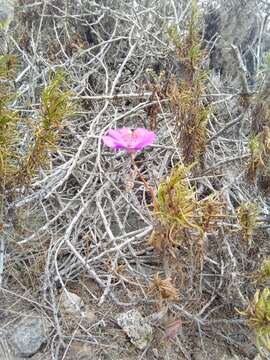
[(129, 140)]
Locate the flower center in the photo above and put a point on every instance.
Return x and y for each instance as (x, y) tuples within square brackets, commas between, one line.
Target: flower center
[(134, 139)]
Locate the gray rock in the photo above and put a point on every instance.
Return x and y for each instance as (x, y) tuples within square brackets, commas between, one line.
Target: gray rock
[(136, 328), (28, 335), (71, 304)]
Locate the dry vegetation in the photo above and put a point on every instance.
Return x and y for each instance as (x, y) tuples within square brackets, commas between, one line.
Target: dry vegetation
[(181, 233)]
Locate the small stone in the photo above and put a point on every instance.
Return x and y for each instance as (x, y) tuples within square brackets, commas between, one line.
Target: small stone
[(90, 315), (136, 328), (155, 353), (71, 304), (28, 335)]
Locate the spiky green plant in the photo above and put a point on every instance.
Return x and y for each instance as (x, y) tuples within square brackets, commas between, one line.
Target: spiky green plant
[(56, 107), (8, 119), (266, 65), (186, 93), (263, 273), (258, 317), (260, 151), (176, 199), (259, 164), (178, 210), (211, 210), (19, 166), (247, 217), (7, 67), (188, 46)]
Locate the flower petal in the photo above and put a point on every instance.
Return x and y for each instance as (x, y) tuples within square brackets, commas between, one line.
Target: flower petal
[(122, 134), (125, 138), (143, 137), (109, 141)]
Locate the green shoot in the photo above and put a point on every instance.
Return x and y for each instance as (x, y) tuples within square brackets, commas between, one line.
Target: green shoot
[(186, 93), (247, 216), (179, 212), (55, 109), (258, 318), (263, 274)]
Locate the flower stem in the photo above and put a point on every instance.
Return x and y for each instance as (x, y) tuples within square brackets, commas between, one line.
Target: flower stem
[(146, 185)]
